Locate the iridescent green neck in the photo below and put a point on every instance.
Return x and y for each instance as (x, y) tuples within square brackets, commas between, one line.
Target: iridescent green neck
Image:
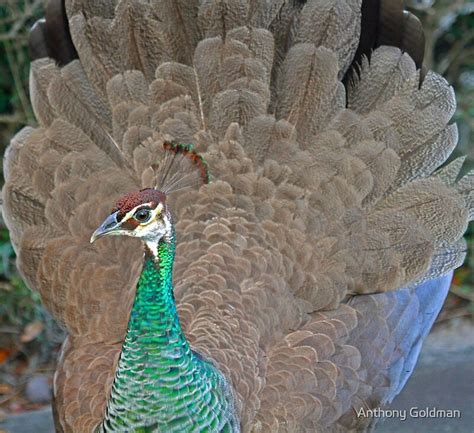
[(160, 383), (154, 309)]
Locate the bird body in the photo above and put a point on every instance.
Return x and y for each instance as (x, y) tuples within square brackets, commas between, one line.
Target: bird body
[(158, 373), (160, 384), (304, 276)]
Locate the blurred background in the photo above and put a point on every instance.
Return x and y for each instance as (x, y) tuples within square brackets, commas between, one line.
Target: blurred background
[(29, 338)]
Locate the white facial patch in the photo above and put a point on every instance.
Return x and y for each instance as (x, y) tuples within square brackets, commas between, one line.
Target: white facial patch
[(152, 231)]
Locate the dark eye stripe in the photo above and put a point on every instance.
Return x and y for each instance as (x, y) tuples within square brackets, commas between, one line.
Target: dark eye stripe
[(130, 224)]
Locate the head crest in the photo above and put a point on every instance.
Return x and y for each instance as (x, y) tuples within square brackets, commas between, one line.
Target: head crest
[(132, 200), (182, 167)]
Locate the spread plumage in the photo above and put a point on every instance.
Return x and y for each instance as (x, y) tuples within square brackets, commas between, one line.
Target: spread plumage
[(310, 268)]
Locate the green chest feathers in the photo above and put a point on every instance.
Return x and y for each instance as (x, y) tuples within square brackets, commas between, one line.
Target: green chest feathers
[(161, 385)]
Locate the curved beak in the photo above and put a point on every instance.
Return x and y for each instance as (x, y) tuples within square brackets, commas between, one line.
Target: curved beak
[(110, 226)]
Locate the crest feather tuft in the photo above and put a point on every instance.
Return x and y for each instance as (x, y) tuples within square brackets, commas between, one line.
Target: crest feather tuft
[(182, 167)]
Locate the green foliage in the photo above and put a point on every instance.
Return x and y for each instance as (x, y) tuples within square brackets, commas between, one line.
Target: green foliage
[(19, 305), (16, 18), (463, 284), (449, 30), (27, 330)]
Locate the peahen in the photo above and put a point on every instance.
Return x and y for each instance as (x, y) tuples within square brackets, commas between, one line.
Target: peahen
[(310, 267)]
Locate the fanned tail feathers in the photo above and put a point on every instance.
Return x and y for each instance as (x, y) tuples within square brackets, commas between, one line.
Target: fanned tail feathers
[(320, 192)]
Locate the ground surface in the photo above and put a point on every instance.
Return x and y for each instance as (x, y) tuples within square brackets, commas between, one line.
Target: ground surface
[(444, 379)]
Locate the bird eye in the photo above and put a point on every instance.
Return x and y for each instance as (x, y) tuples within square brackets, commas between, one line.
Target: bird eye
[(142, 215)]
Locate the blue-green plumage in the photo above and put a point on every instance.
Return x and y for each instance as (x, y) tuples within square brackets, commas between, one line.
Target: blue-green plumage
[(160, 384)]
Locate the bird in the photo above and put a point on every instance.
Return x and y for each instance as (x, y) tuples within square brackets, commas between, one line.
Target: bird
[(240, 211)]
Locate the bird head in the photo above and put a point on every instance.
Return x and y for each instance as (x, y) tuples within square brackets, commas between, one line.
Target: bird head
[(144, 214), (141, 214)]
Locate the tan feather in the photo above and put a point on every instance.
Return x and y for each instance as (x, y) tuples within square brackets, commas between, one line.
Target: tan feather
[(334, 25), (310, 93)]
